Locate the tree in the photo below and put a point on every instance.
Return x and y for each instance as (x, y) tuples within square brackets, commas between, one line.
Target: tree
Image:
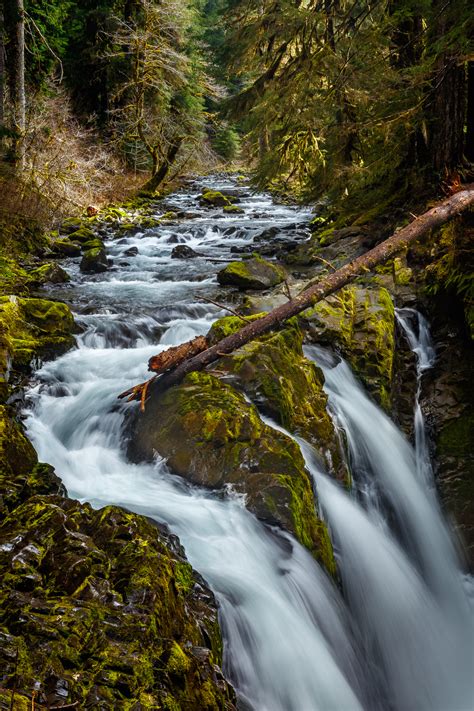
[(159, 102)]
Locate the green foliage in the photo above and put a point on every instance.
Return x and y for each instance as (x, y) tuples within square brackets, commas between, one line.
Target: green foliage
[(226, 142)]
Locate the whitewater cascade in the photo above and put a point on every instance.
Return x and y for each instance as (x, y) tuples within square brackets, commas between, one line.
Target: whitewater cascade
[(399, 635)]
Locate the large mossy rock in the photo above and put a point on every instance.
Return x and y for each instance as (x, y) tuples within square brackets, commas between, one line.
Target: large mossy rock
[(94, 260), (255, 273), (50, 273), (211, 435), (100, 609), (360, 323), (32, 328), (275, 374), (21, 475), (214, 198), (64, 247)]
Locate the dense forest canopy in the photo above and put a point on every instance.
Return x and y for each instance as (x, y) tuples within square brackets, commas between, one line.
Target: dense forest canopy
[(361, 101)]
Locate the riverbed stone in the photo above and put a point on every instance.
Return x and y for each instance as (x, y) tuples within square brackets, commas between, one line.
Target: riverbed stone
[(50, 273), (254, 273), (94, 260), (211, 435), (360, 322), (64, 247)]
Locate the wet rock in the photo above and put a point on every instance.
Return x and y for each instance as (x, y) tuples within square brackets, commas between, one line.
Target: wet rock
[(31, 328), (275, 374), (82, 235), (213, 198), (131, 252), (182, 251), (50, 273), (101, 609), (71, 224), (94, 260), (95, 243), (65, 248), (233, 210), (213, 437), (360, 323), (255, 273)]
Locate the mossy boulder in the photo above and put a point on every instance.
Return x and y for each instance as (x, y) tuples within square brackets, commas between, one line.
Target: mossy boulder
[(82, 235), (254, 273), (64, 247), (273, 371), (94, 613), (214, 198), (50, 273), (94, 260), (360, 323), (95, 243), (233, 210), (32, 328), (71, 224), (211, 435)]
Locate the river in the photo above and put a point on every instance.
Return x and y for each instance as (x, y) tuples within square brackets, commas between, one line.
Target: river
[(397, 634)]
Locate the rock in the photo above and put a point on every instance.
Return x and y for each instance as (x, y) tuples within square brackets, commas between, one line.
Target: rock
[(233, 209), (50, 273), (82, 235), (94, 260), (65, 248), (31, 328), (213, 198), (275, 374), (131, 252), (360, 323), (255, 273), (92, 210), (212, 436), (269, 234), (100, 609), (182, 251), (71, 224)]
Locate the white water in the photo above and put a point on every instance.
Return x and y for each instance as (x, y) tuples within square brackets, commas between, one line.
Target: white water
[(399, 637)]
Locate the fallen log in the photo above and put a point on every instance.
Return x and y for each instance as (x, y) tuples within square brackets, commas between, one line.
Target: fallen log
[(437, 216)]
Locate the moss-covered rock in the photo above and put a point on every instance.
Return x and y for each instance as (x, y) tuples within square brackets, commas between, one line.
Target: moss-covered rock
[(211, 435), (64, 247), (360, 322), (254, 273), (275, 374), (233, 210), (93, 613), (32, 328), (82, 235), (214, 198), (50, 273), (94, 260), (95, 243)]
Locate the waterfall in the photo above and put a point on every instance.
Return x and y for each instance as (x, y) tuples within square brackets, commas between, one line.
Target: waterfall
[(397, 637)]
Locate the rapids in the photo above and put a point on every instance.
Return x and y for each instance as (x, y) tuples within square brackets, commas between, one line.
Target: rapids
[(398, 636)]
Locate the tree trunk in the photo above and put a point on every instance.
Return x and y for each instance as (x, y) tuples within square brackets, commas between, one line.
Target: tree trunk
[(469, 144), (18, 85), (161, 173), (2, 71), (325, 287)]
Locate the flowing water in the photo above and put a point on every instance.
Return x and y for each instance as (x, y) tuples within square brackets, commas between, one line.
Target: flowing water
[(398, 637)]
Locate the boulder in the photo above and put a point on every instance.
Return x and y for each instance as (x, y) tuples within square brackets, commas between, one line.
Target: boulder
[(233, 210), (213, 198), (211, 435), (84, 234), (100, 609), (255, 273), (94, 260), (273, 371), (131, 252), (32, 328), (360, 322), (50, 273), (65, 248), (182, 251)]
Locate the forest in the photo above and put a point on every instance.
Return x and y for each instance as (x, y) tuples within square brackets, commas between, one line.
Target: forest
[(236, 328)]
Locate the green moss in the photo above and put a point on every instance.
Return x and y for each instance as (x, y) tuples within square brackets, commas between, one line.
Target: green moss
[(457, 436), (94, 243), (214, 197), (50, 272), (82, 235), (184, 577), (66, 248), (178, 662), (233, 209), (254, 273), (360, 322), (228, 325), (403, 275)]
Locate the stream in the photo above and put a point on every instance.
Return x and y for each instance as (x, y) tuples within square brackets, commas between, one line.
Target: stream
[(397, 635)]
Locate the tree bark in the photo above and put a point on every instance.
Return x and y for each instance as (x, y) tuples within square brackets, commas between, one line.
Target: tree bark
[(2, 71), (18, 84), (161, 173), (469, 142), (435, 217)]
